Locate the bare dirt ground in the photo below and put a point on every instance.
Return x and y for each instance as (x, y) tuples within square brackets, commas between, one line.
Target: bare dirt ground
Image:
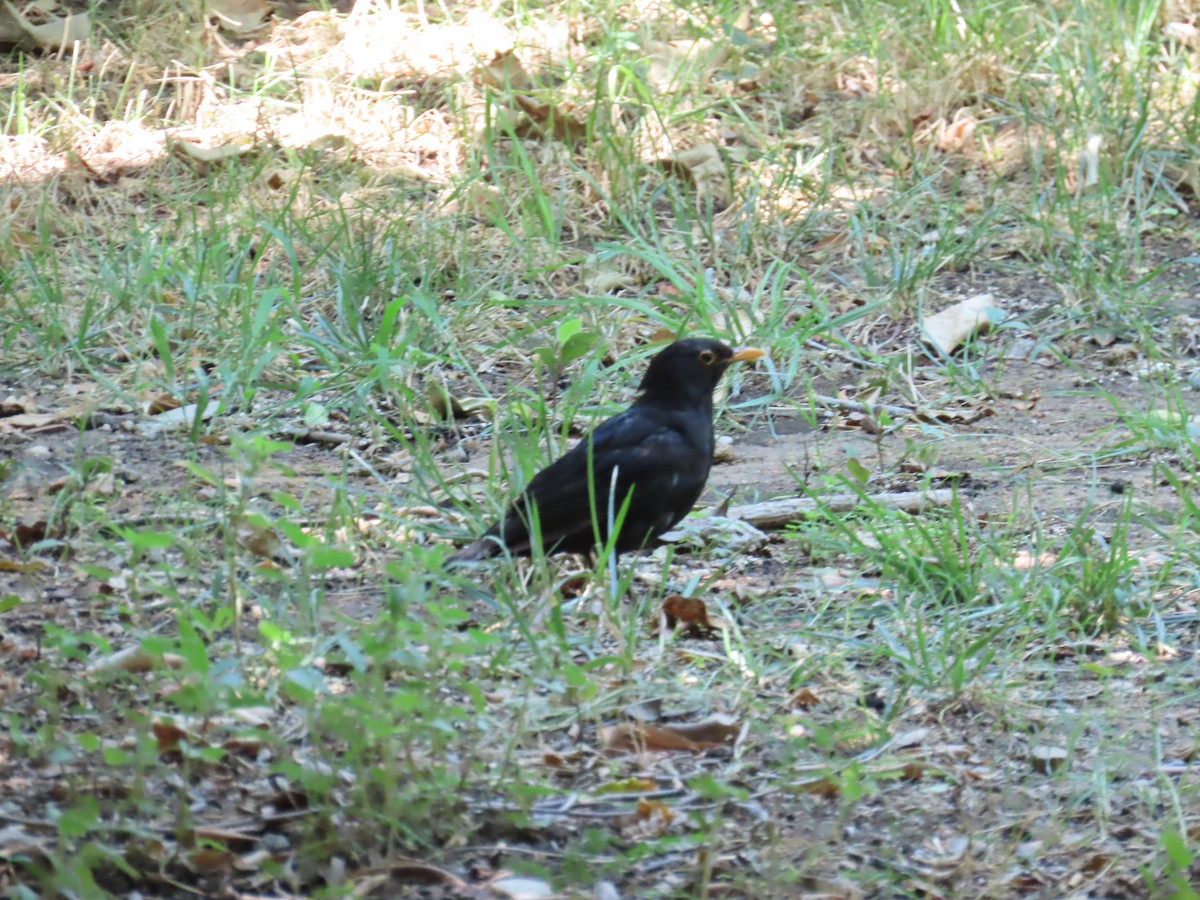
[(961, 797), (237, 668)]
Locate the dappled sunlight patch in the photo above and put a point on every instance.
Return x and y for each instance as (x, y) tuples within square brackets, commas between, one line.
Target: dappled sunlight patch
[(429, 247)]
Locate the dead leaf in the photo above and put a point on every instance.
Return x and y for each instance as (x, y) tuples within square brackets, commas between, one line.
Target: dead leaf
[(161, 403), (690, 612), (505, 71), (32, 567), (634, 737), (951, 328), (647, 808), (27, 534), (669, 64), (239, 17), (36, 423), (723, 452), (573, 586), (257, 536), (15, 406), (169, 736), (40, 28), (704, 167), (825, 787), (696, 737), (211, 860), (445, 405), (958, 134), (600, 275), (136, 660), (182, 417), (553, 120), (716, 729), (193, 147), (805, 699)]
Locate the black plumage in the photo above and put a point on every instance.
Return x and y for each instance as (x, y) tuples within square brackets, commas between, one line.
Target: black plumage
[(661, 449)]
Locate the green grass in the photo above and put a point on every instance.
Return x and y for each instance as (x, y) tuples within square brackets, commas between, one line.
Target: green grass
[(401, 237)]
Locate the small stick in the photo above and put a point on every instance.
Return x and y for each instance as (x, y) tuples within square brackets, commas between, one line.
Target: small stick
[(778, 513)]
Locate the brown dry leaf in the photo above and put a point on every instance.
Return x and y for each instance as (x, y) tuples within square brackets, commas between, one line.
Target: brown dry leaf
[(22, 568), (246, 748), (703, 166), (35, 423), (169, 735), (161, 403), (652, 817), (716, 729), (413, 871), (825, 787), (239, 17), (553, 120), (15, 406), (690, 612), (573, 586), (958, 134), (505, 71), (647, 808), (445, 405), (951, 328), (26, 534), (634, 737), (805, 698), (259, 538), (211, 860), (696, 737), (135, 660)]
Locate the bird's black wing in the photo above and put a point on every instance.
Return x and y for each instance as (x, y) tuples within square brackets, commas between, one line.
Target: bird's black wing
[(646, 448)]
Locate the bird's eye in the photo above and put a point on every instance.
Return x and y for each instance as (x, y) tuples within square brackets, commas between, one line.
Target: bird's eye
[(708, 357)]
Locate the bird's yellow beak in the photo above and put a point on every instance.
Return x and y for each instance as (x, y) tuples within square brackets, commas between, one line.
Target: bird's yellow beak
[(745, 354)]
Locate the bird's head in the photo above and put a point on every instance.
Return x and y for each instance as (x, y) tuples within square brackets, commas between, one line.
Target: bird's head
[(687, 371)]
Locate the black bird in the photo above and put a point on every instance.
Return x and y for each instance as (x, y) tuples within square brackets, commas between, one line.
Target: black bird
[(660, 448)]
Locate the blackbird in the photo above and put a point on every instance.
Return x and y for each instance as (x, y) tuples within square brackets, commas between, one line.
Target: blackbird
[(660, 448)]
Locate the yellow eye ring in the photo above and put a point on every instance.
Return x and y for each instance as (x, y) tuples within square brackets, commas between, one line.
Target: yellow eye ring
[(707, 357)]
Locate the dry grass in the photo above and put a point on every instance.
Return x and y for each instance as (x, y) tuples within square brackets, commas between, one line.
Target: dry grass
[(318, 229)]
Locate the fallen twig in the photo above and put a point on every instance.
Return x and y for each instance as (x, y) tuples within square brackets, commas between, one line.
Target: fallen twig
[(777, 513)]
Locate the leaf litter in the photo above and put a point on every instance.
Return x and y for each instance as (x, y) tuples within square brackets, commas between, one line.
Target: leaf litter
[(845, 771)]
